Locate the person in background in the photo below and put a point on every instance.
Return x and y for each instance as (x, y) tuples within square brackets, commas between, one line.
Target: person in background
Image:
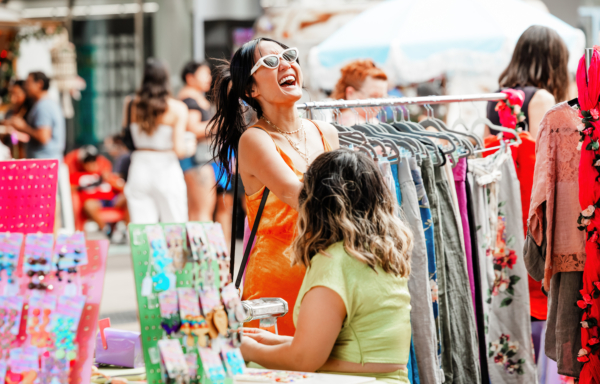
[(155, 189), (96, 185), (120, 155), (197, 170), (352, 315), (20, 105), (44, 123), (361, 79), (538, 68)]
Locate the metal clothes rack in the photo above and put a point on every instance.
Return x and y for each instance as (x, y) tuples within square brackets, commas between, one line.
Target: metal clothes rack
[(427, 100), (388, 102)]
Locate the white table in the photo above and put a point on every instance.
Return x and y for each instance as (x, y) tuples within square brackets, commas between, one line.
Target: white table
[(317, 378)]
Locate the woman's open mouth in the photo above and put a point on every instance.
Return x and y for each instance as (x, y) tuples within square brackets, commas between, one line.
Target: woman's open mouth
[(288, 82)]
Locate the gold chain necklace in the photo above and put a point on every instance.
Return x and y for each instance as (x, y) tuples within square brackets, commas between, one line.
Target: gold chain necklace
[(294, 144)]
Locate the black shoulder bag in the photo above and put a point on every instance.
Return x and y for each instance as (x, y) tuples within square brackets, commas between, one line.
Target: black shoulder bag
[(263, 201), (126, 131)]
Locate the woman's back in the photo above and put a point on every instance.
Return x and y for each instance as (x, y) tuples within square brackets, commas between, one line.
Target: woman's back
[(377, 327)]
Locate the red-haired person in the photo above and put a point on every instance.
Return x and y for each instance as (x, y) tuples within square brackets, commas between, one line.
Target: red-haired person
[(361, 79)]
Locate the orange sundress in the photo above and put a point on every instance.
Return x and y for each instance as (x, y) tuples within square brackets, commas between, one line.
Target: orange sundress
[(269, 272)]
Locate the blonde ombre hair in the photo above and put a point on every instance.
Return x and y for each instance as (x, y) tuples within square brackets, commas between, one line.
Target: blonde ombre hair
[(345, 198)]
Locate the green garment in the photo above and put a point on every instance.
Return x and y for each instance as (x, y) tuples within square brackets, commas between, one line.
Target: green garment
[(377, 325)]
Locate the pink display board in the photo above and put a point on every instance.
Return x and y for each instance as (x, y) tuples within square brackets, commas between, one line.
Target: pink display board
[(28, 195), (91, 280)]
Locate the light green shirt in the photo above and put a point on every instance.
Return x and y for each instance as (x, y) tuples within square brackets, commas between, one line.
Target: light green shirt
[(377, 325)]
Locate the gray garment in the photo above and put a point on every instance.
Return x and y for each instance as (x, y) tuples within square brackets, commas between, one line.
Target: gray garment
[(47, 113), (444, 311), (503, 273), (563, 336), (457, 293), (422, 320)]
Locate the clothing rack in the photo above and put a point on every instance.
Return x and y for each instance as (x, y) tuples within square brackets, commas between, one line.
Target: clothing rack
[(425, 100)]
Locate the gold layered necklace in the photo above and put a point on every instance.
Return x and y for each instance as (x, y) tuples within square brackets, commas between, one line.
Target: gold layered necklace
[(293, 143)]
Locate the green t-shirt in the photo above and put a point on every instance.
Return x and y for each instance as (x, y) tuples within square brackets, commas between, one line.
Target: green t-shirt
[(377, 325)]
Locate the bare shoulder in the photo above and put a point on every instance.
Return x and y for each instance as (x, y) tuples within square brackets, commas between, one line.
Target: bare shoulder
[(329, 131), (176, 106), (253, 138), (542, 98)]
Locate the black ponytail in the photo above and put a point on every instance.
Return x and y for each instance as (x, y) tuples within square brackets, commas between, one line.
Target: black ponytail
[(231, 95)]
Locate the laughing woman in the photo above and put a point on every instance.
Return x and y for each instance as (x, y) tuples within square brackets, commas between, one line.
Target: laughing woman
[(273, 153)]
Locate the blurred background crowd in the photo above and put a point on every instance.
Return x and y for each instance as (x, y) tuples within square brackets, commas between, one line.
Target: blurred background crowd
[(68, 67)]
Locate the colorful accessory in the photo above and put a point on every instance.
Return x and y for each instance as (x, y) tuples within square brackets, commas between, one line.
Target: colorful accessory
[(272, 61), (295, 145), (173, 360), (509, 110), (169, 311)]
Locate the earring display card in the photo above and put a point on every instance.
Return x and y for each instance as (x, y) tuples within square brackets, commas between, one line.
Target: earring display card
[(151, 317), (38, 253), (69, 251), (10, 250)]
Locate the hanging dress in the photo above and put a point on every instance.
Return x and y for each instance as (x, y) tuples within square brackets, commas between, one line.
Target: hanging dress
[(269, 272)]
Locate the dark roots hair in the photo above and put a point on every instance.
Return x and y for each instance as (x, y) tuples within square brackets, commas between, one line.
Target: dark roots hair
[(540, 59), (231, 94), (152, 95), (345, 198)]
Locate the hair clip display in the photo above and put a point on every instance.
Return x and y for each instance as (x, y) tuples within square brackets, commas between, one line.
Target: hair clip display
[(176, 245), (25, 363), (163, 279), (69, 253), (41, 306), (218, 249), (38, 253), (212, 364), (11, 309), (174, 361), (63, 326), (10, 249), (233, 359), (169, 311), (235, 310), (192, 322)]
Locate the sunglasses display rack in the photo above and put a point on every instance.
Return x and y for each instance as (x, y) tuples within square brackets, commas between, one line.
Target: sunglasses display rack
[(190, 312), (50, 288)]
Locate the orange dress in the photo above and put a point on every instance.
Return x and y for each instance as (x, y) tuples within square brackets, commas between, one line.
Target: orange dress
[(269, 272)]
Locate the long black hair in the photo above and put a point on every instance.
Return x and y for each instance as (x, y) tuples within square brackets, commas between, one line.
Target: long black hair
[(152, 95), (232, 97)]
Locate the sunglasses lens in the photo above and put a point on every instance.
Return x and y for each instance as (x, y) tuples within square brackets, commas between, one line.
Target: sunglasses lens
[(290, 55), (271, 61)]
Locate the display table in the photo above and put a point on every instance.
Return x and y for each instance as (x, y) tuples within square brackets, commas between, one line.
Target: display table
[(316, 378)]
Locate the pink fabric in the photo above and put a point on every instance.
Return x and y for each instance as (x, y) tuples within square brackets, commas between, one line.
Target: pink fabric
[(514, 97), (555, 183), (460, 174)]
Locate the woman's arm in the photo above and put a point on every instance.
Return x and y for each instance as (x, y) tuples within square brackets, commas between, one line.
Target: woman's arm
[(260, 164), (540, 103), (181, 117), (196, 125), (320, 321)]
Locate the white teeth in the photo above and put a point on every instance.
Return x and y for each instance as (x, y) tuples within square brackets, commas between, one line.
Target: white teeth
[(287, 78)]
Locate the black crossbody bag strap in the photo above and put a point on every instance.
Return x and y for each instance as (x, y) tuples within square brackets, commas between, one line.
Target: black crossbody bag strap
[(263, 202)]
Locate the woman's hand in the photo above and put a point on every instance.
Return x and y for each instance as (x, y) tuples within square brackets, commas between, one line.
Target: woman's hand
[(249, 348), (263, 337)]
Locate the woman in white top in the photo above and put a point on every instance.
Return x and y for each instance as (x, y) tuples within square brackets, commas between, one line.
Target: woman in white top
[(155, 189)]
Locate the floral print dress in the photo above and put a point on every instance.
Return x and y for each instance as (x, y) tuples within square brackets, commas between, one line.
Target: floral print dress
[(503, 274)]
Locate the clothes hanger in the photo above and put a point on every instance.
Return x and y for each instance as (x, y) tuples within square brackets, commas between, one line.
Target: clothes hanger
[(460, 136), (486, 121), (431, 121), (462, 122)]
